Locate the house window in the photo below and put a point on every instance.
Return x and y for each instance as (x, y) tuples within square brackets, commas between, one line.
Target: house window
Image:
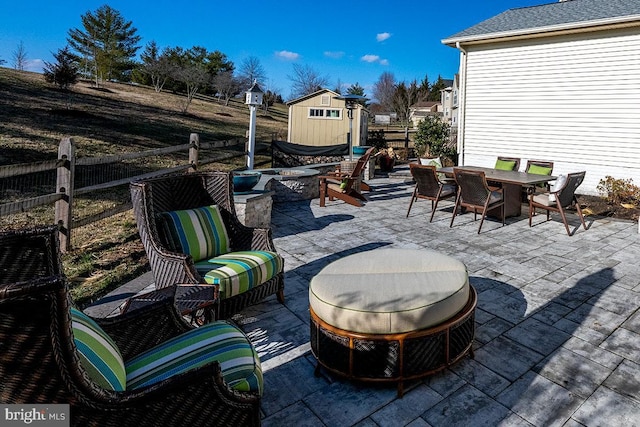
[(322, 113), (333, 114), (325, 100)]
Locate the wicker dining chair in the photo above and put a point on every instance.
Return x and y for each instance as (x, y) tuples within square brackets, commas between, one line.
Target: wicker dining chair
[(429, 187), (154, 197), (559, 198), (52, 353), (508, 163), (474, 193)]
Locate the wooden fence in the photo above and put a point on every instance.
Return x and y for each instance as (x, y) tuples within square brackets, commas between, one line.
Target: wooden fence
[(67, 165)]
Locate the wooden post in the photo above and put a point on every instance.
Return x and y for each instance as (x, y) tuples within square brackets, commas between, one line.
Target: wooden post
[(194, 147), (64, 185)]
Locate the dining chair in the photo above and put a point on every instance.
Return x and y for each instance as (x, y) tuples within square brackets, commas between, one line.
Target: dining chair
[(429, 187), (538, 167), (559, 198), (474, 193), (507, 163)]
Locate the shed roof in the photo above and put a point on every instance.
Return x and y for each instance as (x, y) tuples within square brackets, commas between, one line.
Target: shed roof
[(561, 15), (311, 95)]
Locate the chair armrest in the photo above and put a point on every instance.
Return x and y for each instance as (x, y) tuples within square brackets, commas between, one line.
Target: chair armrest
[(131, 330)]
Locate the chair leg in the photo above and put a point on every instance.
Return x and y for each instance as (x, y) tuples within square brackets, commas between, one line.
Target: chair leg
[(580, 212), (434, 206), (413, 198), (564, 218), (531, 210), (455, 210), (280, 296)]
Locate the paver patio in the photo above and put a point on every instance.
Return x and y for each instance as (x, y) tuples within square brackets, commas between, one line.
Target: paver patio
[(558, 320)]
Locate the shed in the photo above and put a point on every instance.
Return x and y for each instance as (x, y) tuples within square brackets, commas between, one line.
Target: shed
[(319, 119), (560, 82)]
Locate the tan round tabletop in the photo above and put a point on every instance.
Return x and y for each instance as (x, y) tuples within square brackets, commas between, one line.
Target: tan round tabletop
[(387, 291)]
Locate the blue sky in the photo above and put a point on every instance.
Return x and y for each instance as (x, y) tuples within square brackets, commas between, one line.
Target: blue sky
[(352, 41)]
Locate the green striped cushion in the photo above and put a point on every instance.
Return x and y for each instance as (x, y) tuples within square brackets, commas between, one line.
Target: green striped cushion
[(237, 272), (217, 341), (99, 355), (198, 232)]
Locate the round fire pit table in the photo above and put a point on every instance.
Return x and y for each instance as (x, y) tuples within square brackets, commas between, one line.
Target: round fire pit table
[(391, 315)]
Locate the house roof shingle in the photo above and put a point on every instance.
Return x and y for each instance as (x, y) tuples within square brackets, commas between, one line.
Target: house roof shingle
[(578, 13)]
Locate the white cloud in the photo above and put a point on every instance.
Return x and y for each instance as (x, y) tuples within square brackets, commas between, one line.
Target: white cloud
[(374, 59), (370, 58), (382, 36), (285, 54), (34, 65), (334, 55)]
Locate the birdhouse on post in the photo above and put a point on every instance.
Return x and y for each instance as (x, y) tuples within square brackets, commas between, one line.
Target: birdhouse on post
[(254, 95), (253, 98)]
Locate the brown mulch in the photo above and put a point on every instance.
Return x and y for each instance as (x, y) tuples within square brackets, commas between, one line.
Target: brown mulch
[(598, 206)]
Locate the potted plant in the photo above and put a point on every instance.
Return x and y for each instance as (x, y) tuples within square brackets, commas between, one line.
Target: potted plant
[(432, 142), (387, 159)]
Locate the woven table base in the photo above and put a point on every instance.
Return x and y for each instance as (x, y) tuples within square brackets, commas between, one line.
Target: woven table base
[(394, 357)]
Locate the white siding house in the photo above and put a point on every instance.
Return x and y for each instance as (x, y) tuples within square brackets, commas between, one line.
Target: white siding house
[(556, 82)]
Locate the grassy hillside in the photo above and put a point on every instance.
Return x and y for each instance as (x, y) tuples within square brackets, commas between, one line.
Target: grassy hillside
[(35, 116)]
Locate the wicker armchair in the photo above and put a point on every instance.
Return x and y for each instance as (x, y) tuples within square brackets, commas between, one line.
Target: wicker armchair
[(175, 192), (40, 362)]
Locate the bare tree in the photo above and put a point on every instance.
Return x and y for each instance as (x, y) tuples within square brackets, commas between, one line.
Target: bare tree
[(20, 57), (227, 85), (384, 90), (157, 66), (250, 71), (405, 97), (194, 77), (306, 80)]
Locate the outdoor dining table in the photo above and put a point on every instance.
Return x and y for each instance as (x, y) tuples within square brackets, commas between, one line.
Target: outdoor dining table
[(512, 183)]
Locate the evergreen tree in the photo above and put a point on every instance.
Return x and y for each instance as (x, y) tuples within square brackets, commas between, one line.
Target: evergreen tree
[(64, 72), (107, 41)]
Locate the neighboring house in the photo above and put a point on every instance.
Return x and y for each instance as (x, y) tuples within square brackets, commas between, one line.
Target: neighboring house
[(420, 110), (559, 82), (319, 119), (449, 101)]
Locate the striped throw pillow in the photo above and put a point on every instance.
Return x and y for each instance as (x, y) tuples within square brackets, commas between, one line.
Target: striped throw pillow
[(99, 355), (217, 341), (238, 272), (198, 232)]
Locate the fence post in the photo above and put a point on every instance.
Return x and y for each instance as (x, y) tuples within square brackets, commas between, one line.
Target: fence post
[(64, 185), (194, 147)]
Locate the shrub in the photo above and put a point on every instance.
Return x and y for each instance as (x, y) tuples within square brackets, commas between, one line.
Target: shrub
[(619, 191), (432, 138)]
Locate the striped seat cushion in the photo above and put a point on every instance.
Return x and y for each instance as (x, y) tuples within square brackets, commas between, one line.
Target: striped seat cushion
[(99, 355), (238, 272), (219, 342), (198, 232)]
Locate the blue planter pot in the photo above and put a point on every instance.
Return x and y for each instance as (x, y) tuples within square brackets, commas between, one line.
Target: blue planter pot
[(245, 181)]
